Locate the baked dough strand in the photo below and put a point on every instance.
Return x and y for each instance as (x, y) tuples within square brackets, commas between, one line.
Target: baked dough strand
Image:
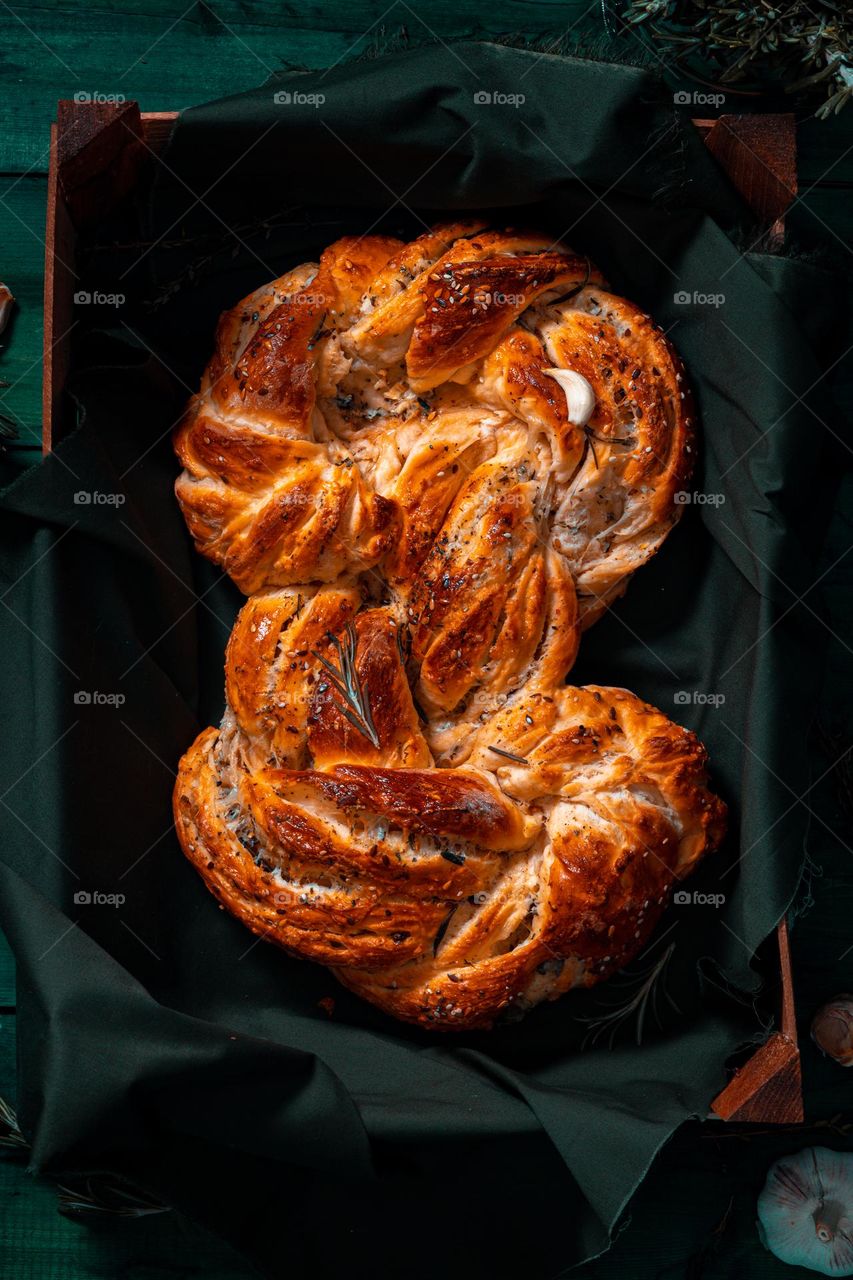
[(431, 466)]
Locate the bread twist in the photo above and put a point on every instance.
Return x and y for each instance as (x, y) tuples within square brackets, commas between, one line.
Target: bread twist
[(434, 464)]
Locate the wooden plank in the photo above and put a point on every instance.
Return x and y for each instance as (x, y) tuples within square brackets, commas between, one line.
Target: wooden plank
[(59, 280), (315, 15), (98, 156), (768, 1089), (788, 1020), (209, 51), (157, 128), (166, 58), (759, 154)]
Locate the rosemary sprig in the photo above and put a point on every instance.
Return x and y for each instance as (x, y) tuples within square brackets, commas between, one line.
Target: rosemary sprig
[(591, 436), (346, 680), (607, 439), (404, 642), (94, 1196), (10, 1132), (805, 45), (98, 1197), (8, 427), (442, 929), (499, 751), (213, 247), (652, 984)]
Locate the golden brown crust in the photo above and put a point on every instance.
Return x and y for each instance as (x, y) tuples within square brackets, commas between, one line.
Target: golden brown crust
[(402, 786), (350, 404), (448, 891)]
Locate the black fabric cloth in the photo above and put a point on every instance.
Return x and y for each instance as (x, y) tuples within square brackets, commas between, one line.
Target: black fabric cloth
[(158, 1038)]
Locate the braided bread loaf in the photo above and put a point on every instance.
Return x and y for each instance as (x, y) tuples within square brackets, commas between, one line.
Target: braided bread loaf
[(434, 464)]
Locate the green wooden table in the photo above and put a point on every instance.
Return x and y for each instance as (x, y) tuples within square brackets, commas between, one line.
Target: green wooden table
[(696, 1209)]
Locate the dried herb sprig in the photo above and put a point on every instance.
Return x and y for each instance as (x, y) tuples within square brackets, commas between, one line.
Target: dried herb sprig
[(94, 1196), (10, 1132), (102, 1197), (442, 929), (806, 45), (651, 985), (575, 289), (510, 755), (404, 642), (8, 427), (346, 680), (591, 437), (212, 248)]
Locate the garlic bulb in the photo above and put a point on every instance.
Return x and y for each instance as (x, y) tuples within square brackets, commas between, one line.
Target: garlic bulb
[(580, 397), (7, 302), (805, 1212), (832, 1029)]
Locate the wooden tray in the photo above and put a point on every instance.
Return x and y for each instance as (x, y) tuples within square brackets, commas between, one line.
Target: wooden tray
[(101, 152)]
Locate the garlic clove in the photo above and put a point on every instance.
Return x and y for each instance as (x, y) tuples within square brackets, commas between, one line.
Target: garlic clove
[(832, 1029), (805, 1211), (580, 397), (7, 302)]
